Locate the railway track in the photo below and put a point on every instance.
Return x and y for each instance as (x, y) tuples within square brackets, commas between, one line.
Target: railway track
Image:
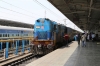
[(21, 61), (30, 60)]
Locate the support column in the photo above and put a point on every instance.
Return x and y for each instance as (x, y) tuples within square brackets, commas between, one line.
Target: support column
[(23, 43), (7, 49), (16, 52), (13, 43), (29, 45), (1, 46), (18, 43)]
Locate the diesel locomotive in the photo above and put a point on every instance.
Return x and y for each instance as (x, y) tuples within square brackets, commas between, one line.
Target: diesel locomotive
[(48, 35)]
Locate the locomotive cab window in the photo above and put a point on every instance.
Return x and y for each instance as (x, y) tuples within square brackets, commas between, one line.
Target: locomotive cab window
[(38, 20)]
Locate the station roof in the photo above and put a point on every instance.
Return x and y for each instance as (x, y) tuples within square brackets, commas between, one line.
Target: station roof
[(15, 23), (84, 13)]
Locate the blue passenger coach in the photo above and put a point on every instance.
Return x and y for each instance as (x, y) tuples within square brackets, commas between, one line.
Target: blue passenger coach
[(13, 33)]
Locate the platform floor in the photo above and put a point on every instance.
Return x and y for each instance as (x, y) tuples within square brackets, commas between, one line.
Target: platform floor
[(73, 55)]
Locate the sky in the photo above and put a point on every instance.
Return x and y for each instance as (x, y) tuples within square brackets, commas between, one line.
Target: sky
[(27, 11)]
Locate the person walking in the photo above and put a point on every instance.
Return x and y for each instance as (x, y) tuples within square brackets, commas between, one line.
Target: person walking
[(78, 39), (83, 40)]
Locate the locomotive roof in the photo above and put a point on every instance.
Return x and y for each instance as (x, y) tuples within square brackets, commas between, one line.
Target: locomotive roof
[(15, 28)]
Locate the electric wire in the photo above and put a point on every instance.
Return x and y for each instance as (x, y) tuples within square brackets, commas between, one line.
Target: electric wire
[(19, 8), (26, 10), (9, 13), (46, 8), (16, 12)]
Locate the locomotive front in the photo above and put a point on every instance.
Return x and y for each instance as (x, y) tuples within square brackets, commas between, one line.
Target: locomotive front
[(42, 35)]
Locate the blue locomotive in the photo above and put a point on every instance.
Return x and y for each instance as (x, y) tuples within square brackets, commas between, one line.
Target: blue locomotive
[(48, 35)]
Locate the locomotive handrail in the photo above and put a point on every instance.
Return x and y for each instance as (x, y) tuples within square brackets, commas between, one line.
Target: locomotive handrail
[(43, 40)]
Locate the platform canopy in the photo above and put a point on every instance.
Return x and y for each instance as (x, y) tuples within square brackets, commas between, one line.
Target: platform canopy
[(84, 13), (15, 23)]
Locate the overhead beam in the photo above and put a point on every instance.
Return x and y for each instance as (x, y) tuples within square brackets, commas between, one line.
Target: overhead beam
[(91, 2), (82, 4), (75, 12), (93, 8)]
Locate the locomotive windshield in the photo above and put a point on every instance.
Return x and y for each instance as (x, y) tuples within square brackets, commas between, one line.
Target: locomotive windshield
[(42, 20)]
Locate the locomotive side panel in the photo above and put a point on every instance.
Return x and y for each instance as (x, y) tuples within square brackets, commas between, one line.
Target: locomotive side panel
[(71, 33)]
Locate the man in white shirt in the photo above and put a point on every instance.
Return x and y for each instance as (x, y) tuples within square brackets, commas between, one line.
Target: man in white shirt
[(83, 40)]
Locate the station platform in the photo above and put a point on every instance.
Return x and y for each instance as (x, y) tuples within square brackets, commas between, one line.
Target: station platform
[(73, 55)]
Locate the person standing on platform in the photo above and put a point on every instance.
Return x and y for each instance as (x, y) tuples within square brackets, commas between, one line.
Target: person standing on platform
[(75, 37), (83, 40), (66, 38), (88, 37), (93, 36), (78, 39)]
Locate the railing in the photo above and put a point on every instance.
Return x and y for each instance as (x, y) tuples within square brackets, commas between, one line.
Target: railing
[(16, 49)]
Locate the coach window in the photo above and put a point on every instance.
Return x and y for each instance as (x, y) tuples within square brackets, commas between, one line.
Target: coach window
[(12, 34), (18, 34), (0, 35), (5, 35), (8, 35)]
